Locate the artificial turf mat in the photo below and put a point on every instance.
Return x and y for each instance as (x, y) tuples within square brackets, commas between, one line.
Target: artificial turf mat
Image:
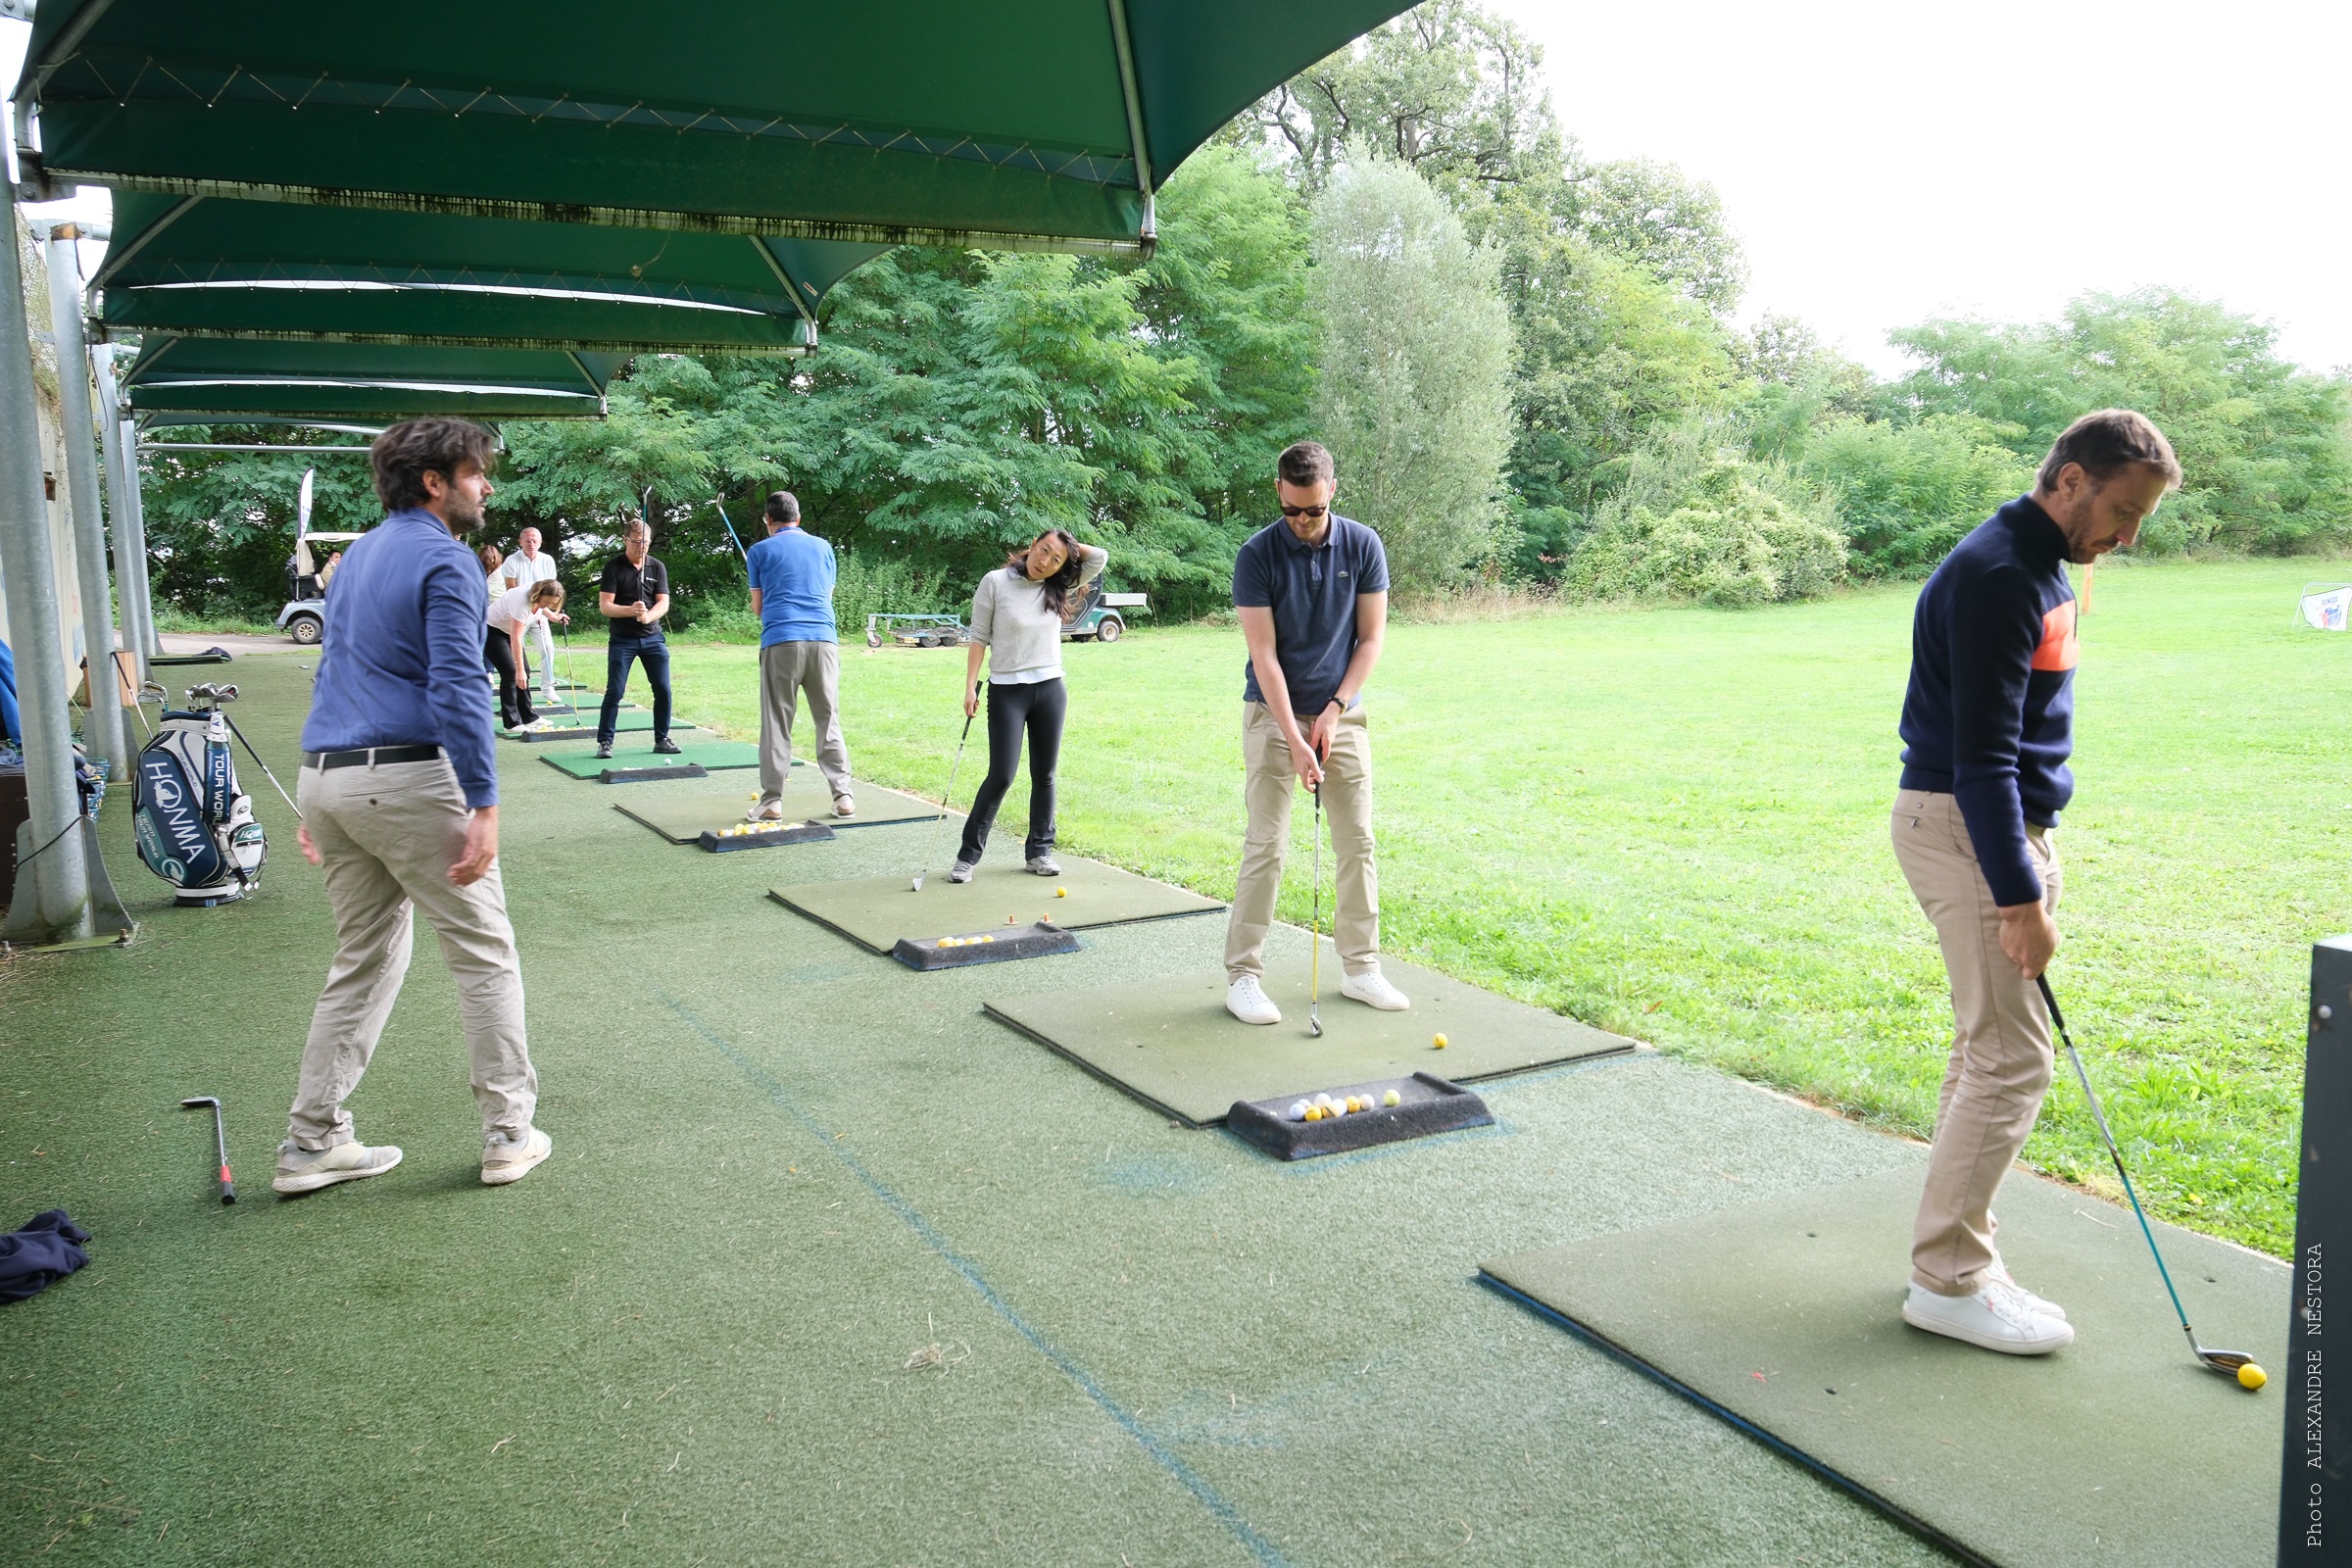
[(1785, 1316), (685, 818), (876, 911), (582, 727), (711, 754), (1170, 1043)]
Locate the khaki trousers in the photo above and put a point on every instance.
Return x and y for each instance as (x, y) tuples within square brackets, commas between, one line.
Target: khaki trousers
[(787, 669), (2000, 1065), (1269, 786), (388, 837)]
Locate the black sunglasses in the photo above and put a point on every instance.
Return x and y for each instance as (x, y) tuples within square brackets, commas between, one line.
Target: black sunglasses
[(1304, 511)]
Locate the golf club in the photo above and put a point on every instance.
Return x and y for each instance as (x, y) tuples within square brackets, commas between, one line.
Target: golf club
[(228, 1188), (230, 697), (2225, 1362), (1314, 925), (932, 853), (732, 537)]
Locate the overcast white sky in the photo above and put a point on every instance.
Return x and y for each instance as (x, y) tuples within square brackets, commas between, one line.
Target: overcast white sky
[(1884, 161)]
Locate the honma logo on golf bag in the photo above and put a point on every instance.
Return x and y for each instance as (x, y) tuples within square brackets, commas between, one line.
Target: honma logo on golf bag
[(176, 841)]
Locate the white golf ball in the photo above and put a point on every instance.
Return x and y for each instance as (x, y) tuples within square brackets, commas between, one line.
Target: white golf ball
[(1299, 1110)]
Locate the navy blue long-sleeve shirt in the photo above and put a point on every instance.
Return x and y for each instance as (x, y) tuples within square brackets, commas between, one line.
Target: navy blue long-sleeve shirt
[(402, 659), (1989, 715)]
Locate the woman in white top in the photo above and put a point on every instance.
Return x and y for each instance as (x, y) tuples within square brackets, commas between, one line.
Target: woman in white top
[(510, 618), (1018, 618)]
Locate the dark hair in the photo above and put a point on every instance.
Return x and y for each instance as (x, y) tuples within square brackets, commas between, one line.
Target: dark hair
[(1063, 583), (783, 507), (1304, 462), (405, 453), (2105, 443), (491, 557)]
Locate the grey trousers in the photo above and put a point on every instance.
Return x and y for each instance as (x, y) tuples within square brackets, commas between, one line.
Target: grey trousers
[(786, 670), (388, 837)]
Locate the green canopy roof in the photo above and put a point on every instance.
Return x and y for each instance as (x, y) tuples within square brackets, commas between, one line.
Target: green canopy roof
[(221, 267), (1040, 124), (235, 380)]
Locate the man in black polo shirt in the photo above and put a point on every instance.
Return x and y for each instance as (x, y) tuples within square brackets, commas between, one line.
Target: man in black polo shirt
[(1313, 595), (634, 596)]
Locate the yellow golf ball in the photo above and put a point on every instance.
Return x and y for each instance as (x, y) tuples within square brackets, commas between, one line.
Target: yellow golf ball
[(1061, 893), (2251, 1376), (1315, 1113), (1392, 1098), (1437, 1042)]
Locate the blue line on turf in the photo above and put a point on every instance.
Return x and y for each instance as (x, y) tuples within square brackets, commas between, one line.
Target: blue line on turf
[(1208, 1497)]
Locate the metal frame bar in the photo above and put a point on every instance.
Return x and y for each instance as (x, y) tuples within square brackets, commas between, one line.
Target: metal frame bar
[(1131, 95)]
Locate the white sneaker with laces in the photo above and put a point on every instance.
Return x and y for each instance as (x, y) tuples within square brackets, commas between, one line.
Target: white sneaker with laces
[(301, 1170), (962, 870), (1372, 989), (1996, 1318), (1248, 1001), (2047, 1308)]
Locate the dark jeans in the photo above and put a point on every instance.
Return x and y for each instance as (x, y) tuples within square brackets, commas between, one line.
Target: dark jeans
[(514, 698), (654, 654), (1038, 708)]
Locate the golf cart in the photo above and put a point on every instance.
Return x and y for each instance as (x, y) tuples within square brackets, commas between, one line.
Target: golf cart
[(914, 631), (1102, 617), (305, 616)]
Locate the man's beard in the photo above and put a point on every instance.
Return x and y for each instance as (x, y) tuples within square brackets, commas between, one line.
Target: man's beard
[(464, 515)]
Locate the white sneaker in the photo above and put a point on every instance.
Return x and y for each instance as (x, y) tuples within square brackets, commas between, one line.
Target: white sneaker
[(1996, 1318), (2047, 1308), (1372, 989), (1248, 1001), (504, 1161), (766, 811), (961, 870), (844, 806), (300, 1171)]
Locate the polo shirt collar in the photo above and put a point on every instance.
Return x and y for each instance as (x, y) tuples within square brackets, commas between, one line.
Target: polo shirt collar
[(1331, 535)]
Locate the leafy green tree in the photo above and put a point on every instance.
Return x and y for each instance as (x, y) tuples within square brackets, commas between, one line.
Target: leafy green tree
[(1415, 396), (221, 524), (1906, 493)]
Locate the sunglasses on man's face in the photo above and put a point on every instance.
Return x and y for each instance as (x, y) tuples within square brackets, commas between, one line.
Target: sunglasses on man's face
[(1304, 511)]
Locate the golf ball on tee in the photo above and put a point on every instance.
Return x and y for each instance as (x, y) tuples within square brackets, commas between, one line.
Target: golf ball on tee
[(1392, 1098), (2251, 1376)]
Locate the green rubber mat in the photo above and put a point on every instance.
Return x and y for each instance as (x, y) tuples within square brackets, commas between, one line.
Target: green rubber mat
[(875, 911), (582, 726), (712, 755), (1173, 1045), (685, 818), (1785, 1317)]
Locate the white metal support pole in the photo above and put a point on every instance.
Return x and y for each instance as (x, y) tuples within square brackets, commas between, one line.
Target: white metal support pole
[(103, 728), (124, 523), (57, 882)]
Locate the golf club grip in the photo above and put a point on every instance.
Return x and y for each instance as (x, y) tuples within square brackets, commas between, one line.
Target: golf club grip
[(228, 1188)]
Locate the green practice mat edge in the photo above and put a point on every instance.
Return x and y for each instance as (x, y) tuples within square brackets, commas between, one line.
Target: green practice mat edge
[(667, 816), (1087, 876), (2118, 1448), (715, 756)]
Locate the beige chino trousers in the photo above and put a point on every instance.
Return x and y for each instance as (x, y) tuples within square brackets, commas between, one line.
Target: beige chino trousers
[(2000, 1063), (1270, 787), (786, 670), (388, 837)]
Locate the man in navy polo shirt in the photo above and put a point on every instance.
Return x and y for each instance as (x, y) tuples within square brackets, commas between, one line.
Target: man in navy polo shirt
[(1987, 728), (1313, 595)]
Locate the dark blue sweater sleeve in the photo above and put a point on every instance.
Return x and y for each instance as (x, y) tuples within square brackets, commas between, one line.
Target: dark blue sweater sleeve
[(1997, 624), (455, 606)]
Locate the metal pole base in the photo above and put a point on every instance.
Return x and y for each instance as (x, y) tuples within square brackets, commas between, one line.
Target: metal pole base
[(103, 923)]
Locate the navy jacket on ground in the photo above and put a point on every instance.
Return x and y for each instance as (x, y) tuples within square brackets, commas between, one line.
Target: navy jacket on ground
[(1990, 715), (44, 1251)]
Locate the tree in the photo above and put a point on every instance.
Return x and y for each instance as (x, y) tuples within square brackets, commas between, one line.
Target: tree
[(1415, 396), (1905, 494)]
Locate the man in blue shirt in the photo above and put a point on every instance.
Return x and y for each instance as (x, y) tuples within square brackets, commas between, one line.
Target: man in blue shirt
[(400, 806), (1313, 595), (792, 594), (1987, 728)]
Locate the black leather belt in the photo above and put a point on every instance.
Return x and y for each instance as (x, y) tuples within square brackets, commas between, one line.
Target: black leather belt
[(376, 756)]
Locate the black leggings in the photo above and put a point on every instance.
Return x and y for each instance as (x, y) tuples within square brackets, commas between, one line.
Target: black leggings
[(514, 698), (1038, 708)]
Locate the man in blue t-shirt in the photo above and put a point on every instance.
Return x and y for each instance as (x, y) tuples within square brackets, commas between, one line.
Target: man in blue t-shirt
[(792, 594), (1313, 595), (1987, 728)]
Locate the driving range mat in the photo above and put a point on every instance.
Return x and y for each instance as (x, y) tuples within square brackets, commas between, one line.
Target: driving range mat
[(711, 755), (876, 911), (1784, 1318), (582, 727), (685, 818), (1173, 1045)]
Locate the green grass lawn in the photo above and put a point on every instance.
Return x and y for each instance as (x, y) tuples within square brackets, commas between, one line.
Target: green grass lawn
[(1673, 823)]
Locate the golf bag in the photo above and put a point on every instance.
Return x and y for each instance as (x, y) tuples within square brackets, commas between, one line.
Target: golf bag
[(196, 828)]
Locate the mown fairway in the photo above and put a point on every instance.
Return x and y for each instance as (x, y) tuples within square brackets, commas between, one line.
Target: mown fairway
[(1673, 823)]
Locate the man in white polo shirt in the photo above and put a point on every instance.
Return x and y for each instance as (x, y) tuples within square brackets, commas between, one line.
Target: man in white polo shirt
[(530, 564)]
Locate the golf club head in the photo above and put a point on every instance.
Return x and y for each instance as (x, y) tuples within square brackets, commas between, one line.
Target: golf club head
[(2224, 1362), (193, 1100)]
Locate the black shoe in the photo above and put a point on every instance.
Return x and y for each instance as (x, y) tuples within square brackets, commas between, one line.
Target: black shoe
[(604, 750), (667, 746)]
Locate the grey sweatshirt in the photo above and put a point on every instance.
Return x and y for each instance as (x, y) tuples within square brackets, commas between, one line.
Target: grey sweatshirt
[(1023, 636)]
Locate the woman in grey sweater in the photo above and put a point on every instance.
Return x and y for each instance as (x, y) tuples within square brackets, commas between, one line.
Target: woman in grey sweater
[(1017, 617)]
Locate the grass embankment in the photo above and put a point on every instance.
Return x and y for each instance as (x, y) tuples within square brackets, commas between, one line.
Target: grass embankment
[(1673, 823)]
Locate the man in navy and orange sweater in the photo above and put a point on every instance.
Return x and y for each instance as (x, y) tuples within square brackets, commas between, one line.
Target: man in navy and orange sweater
[(1987, 728)]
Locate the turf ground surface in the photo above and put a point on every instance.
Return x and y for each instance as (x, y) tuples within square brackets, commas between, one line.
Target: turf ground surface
[(825, 1268)]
